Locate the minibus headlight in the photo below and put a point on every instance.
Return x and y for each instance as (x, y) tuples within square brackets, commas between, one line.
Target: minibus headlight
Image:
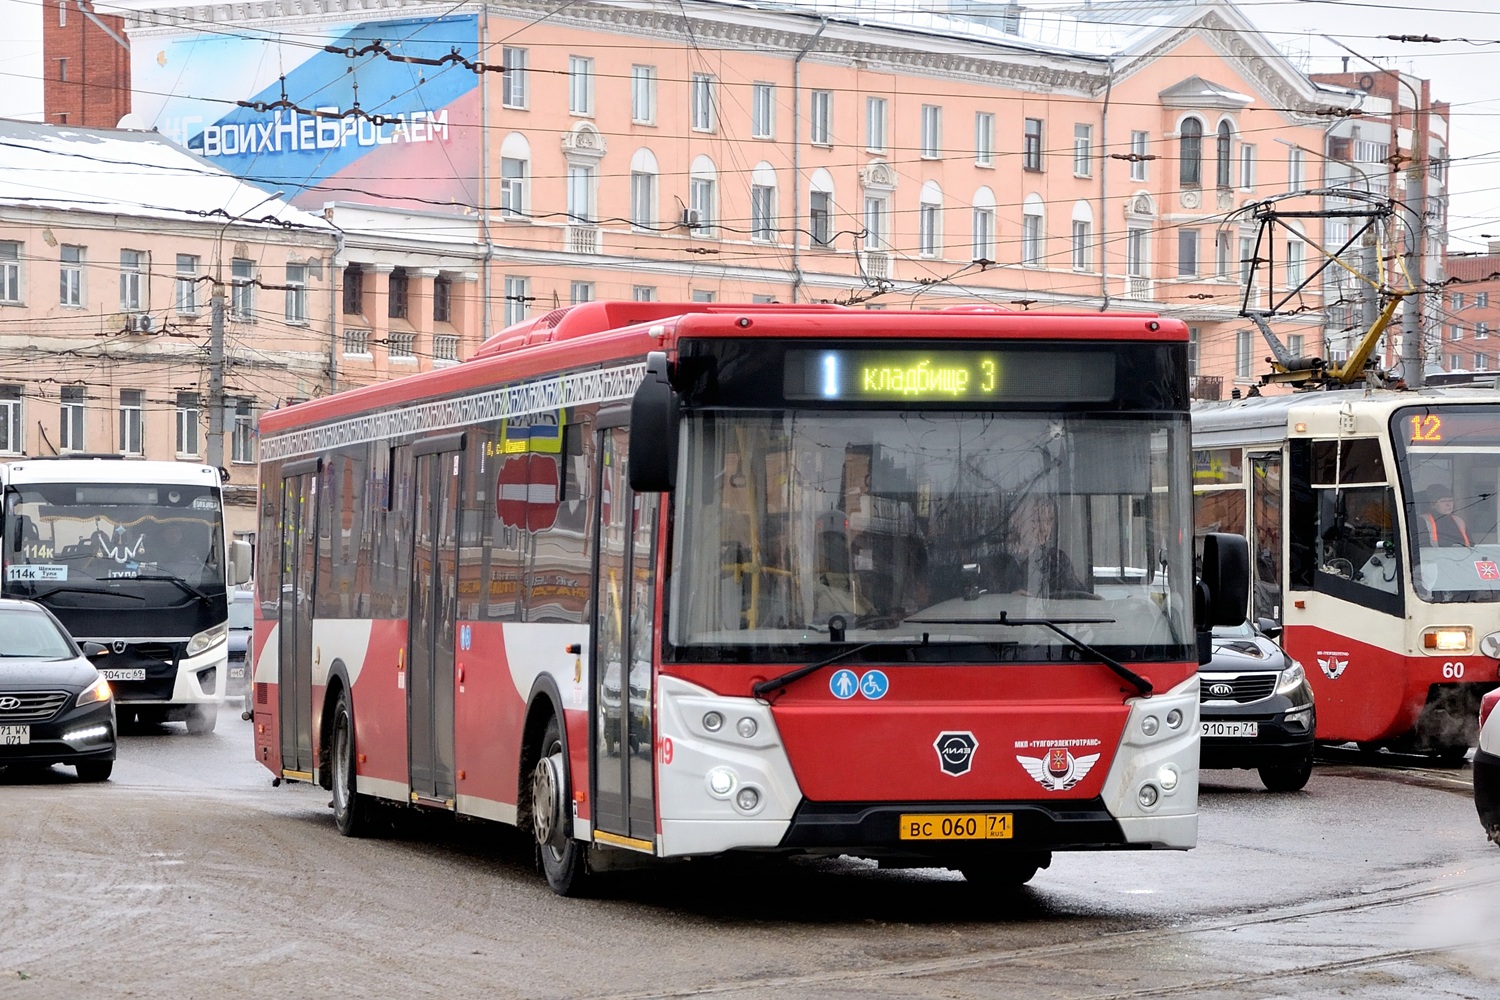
[(207, 639)]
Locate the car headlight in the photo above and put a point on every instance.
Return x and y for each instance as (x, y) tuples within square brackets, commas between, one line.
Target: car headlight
[(1291, 678), (206, 639), (95, 692)]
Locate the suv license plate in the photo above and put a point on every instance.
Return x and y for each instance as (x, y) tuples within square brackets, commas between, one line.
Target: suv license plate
[(124, 673), (15, 736), (955, 826), (1246, 729)]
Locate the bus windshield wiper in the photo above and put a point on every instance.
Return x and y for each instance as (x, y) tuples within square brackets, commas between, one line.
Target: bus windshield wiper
[(1141, 684), (762, 689), (187, 588), (91, 591)]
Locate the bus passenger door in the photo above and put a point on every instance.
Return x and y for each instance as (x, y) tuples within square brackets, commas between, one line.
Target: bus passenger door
[(624, 752), (434, 603), (299, 564)]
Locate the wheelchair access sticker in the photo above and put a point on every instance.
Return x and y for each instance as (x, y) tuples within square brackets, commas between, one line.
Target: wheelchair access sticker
[(845, 684)]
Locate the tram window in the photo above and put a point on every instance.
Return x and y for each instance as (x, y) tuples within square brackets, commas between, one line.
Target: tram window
[(1219, 510), (1357, 543), (1217, 467), (1355, 461), (1265, 493)]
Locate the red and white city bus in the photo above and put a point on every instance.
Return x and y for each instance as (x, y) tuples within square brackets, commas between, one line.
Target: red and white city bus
[(673, 580), (1388, 595)]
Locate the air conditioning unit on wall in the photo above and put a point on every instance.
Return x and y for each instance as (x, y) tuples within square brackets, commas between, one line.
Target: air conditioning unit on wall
[(143, 323)]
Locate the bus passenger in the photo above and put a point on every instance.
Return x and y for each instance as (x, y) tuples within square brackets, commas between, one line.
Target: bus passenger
[(1440, 526)]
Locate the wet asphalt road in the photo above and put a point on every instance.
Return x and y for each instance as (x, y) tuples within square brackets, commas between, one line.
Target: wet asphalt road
[(188, 875)]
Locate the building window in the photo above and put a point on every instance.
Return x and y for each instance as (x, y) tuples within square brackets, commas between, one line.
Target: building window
[(187, 423), (62, 71), (1481, 331), (1083, 150), (1294, 169), (643, 293), (401, 347), (762, 213), (1083, 238), (874, 222), (932, 131), (1295, 342), (10, 420), (643, 199), (62, 13), (1244, 353), (1223, 148), (763, 111), (1221, 254), (1481, 300), (1455, 332), (131, 410), (1032, 232), (513, 77), (70, 429), (984, 139), (442, 299), (1458, 300), (702, 295), (187, 284), (821, 119), (517, 296), (875, 139), (242, 438), (1247, 259), (1139, 144), (582, 184), (357, 343), (1031, 148), (1187, 252), (354, 290), (820, 218), (296, 293), (703, 116), (1190, 153), (70, 289), (580, 85), (445, 347), (643, 95), (929, 230), (132, 281), (242, 289), (1194, 338), (984, 234), (513, 172), (1136, 252), (396, 299), (1294, 251), (580, 292), (701, 202), (1247, 166)]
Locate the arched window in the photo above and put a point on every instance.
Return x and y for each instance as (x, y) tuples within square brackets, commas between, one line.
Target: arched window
[(515, 177), (1222, 150), (703, 195), (930, 221), (820, 208), (643, 180), (1033, 230), (1083, 236), (984, 225), (1190, 156), (763, 203)]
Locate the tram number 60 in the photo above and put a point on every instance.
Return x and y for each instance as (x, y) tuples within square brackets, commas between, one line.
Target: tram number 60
[(1453, 670)]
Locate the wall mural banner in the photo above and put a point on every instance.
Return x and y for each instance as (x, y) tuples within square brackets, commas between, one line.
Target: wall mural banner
[(326, 123)]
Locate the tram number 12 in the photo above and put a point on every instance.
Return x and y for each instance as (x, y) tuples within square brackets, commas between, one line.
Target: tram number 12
[(1428, 428)]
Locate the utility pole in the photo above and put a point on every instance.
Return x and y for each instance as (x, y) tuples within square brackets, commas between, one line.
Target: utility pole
[(216, 374)]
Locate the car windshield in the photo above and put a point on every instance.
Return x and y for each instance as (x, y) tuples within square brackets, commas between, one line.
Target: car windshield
[(1244, 630), (798, 526), (31, 634), (241, 614)]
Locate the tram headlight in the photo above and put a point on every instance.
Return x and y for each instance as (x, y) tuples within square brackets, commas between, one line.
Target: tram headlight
[(1448, 639), (207, 639), (1291, 678)]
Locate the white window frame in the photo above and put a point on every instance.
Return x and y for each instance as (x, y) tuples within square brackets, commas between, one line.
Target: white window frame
[(643, 200), (513, 78), (1083, 245), (763, 213), (1083, 150), (763, 111), (581, 86), (132, 422), (820, 118), (189, 413), (10, 272), (582, 193), (514, 171), (704, 117), (242, 289), (1295, 162), (820, 219), (875, 221), (133, 266), (517, 298), (643, 293), (984, 139), (580, 292), (11, 426), (702, 195), (930, 229), (932, 132), (643, 95), (72, 418), (1140, 148), (296, 294), (1033, 237), (242, 437), (1188, 252), (875, 124), (984, 233), (187, 284), (1247, 166), (70, 278)]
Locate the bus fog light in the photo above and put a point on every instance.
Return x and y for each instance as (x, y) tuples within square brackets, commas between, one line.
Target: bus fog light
[(1174, 719), (721, 782), (746, 727), (1148, 795), (713, 721), (1149, 725), (748, 799), (1166, 777)]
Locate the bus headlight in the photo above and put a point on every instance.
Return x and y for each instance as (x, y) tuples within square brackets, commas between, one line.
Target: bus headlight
[(207, 639), (1291, 678), (95, 692)]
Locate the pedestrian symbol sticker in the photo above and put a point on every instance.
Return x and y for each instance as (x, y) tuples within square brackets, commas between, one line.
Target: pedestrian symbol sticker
[(844, 684), (874, 684)]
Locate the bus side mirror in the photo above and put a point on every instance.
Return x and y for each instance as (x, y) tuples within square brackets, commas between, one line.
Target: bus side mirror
[(655, 412), (239, 561), (1224, 587)]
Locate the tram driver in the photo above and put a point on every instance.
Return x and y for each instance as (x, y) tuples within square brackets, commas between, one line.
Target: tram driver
[(1440, 525)]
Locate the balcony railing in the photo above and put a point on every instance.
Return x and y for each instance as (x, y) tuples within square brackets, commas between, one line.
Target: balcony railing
[(876, 264), (1137, 287), (582, 239), (1206, 386)]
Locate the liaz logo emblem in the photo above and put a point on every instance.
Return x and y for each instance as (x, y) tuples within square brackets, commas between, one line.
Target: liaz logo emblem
[(1332, 663), (955, 752), (1059, 770)]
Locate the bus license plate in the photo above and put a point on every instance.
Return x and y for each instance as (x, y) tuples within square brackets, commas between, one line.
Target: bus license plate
[(1231, 729), (124, 673), (955, 826), (236, 671), (15, 736)]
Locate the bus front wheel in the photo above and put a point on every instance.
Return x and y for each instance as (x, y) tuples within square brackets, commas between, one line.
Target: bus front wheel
[(564, 860)]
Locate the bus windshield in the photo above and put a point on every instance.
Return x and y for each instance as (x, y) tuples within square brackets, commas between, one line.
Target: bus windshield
[(1449, 463), (76, 539), (796, 526)]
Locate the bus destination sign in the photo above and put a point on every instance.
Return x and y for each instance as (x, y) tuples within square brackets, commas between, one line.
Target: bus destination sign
[(854, 375)]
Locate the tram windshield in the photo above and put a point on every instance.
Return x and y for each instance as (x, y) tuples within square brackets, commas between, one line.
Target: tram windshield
[(1449, 463), (796, 527)]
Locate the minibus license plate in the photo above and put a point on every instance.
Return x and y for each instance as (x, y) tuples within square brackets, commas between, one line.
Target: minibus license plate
[(124, 673), (955, 826), (1231, 729), (15, 736)]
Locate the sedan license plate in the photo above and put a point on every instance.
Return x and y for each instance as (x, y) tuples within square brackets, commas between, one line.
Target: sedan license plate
[(956, 826), (15, 736), (124, 673), (1245, 729)]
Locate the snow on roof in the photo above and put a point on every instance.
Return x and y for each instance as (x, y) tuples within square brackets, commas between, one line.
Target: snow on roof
[(130, 173)]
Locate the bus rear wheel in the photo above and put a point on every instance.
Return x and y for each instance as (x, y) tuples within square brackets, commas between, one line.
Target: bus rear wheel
[(351, 810), (564, 861), (1005, 873)]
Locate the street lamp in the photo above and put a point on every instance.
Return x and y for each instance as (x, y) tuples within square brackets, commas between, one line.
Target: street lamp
[(216, 342)]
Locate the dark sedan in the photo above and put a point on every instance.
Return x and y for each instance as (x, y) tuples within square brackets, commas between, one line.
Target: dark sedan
[(55, 708), (1256, 707), (1487, 766)]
